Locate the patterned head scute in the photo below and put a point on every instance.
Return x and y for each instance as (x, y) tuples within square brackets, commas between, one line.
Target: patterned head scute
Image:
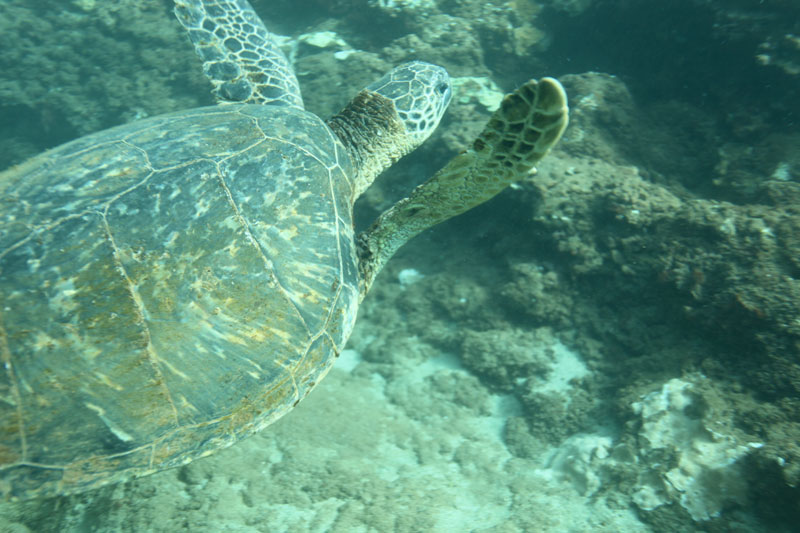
[(420, 92)]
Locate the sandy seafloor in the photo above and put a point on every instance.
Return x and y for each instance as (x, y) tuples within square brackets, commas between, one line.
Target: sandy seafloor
[(613, 345)]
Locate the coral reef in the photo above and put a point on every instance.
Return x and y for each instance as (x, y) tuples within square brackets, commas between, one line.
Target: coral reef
[(691, 451), (70, 68)]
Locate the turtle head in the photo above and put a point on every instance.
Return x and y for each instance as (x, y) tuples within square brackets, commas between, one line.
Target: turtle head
[(391, 117), (420, 93)]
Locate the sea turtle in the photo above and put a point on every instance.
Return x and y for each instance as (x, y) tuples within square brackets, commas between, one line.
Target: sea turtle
[(173, 285)]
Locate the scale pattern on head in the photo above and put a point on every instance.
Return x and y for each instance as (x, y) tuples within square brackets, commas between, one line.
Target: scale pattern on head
[(420, 92), (391, 117), (239, 56)]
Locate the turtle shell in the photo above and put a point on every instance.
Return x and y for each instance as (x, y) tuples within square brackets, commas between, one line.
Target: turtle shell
[(168, 287)]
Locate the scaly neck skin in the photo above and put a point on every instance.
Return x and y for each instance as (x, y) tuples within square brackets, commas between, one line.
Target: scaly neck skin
[(450, 192), (372, 134)]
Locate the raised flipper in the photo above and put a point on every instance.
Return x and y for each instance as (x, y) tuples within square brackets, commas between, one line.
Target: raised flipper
[(240, 57), (528, 123)]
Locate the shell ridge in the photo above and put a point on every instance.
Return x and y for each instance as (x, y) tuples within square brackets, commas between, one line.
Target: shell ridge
[(36, 230), (338, 232), (5, 357), (141, 311), (281, 284), (285, 293)]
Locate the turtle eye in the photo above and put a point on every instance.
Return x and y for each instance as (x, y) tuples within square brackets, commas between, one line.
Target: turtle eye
[(442, 88)]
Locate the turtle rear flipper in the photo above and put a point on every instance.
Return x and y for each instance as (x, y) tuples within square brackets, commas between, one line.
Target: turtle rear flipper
[(240, 57), (527, 125)]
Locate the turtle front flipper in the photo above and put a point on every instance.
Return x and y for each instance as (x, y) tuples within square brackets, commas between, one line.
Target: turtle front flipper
[(240, 57), (527, 125)]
